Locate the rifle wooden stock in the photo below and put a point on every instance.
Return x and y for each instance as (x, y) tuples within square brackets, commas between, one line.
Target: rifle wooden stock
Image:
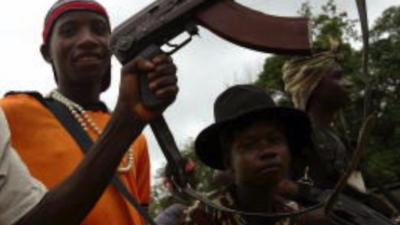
[(255, 30), (163, 20)]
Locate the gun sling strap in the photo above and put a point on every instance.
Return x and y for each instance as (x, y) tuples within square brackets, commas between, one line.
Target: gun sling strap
[(84, 141), (169, 147)]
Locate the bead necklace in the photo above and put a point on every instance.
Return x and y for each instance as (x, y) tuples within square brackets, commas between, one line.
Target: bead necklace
[(87, 123)]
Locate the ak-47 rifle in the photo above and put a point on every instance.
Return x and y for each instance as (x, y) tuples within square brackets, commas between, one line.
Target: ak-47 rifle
[(163, 20), (145, 33)]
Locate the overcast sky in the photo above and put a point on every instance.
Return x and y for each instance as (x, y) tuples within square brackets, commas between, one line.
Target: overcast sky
[(206, 66)]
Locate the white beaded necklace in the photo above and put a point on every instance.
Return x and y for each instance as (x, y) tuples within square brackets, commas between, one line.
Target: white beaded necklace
[(87, 123)]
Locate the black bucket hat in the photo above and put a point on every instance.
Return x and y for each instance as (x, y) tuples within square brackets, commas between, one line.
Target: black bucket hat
[(247, 101)]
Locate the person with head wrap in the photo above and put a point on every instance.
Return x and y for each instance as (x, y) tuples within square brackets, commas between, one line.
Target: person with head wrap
[(75, 44), (302, 76), (317, 86)]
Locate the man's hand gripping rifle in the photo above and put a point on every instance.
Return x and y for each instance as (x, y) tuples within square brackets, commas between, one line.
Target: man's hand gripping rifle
[(145, 33)]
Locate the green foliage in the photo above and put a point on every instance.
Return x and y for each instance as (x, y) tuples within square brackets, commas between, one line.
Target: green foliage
[(161, 196), (388, 24), (329, 24), (382, 156), (204, 174), (271, 76), (385, 64)]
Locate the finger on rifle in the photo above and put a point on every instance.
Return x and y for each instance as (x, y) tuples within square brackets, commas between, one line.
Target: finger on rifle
[(163, 58), (138, 65), (167, 94), (161, 83), (163, 70)]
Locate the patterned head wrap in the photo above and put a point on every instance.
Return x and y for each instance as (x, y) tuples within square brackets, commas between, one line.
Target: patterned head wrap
[(63, 6), (302, 75)]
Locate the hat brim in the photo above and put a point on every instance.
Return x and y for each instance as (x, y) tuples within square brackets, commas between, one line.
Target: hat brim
[(208, 147)]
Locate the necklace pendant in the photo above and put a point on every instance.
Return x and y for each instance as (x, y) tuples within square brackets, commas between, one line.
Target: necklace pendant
[(87, 123)]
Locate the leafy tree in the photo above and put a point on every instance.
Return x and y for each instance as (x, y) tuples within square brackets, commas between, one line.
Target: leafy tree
[(382, 156), (385, 66), (329, 24), (161, 196)]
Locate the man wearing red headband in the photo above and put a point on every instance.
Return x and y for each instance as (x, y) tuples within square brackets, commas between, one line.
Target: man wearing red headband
[(75, 44)]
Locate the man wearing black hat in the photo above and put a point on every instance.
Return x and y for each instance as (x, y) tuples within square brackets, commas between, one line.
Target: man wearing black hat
[(254, 140)]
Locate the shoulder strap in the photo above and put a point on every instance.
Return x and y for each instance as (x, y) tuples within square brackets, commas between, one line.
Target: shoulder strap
[(70, 124), (34, 94), (84, 141)]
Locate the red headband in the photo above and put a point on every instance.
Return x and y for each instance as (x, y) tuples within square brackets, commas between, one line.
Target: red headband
[(57, 11)]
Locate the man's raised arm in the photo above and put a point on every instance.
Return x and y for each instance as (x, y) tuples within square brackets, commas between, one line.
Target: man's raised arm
[(71, 201)]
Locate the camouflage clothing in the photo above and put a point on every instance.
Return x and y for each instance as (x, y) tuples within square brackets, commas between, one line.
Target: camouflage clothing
[(332, 156), (199, 214)]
